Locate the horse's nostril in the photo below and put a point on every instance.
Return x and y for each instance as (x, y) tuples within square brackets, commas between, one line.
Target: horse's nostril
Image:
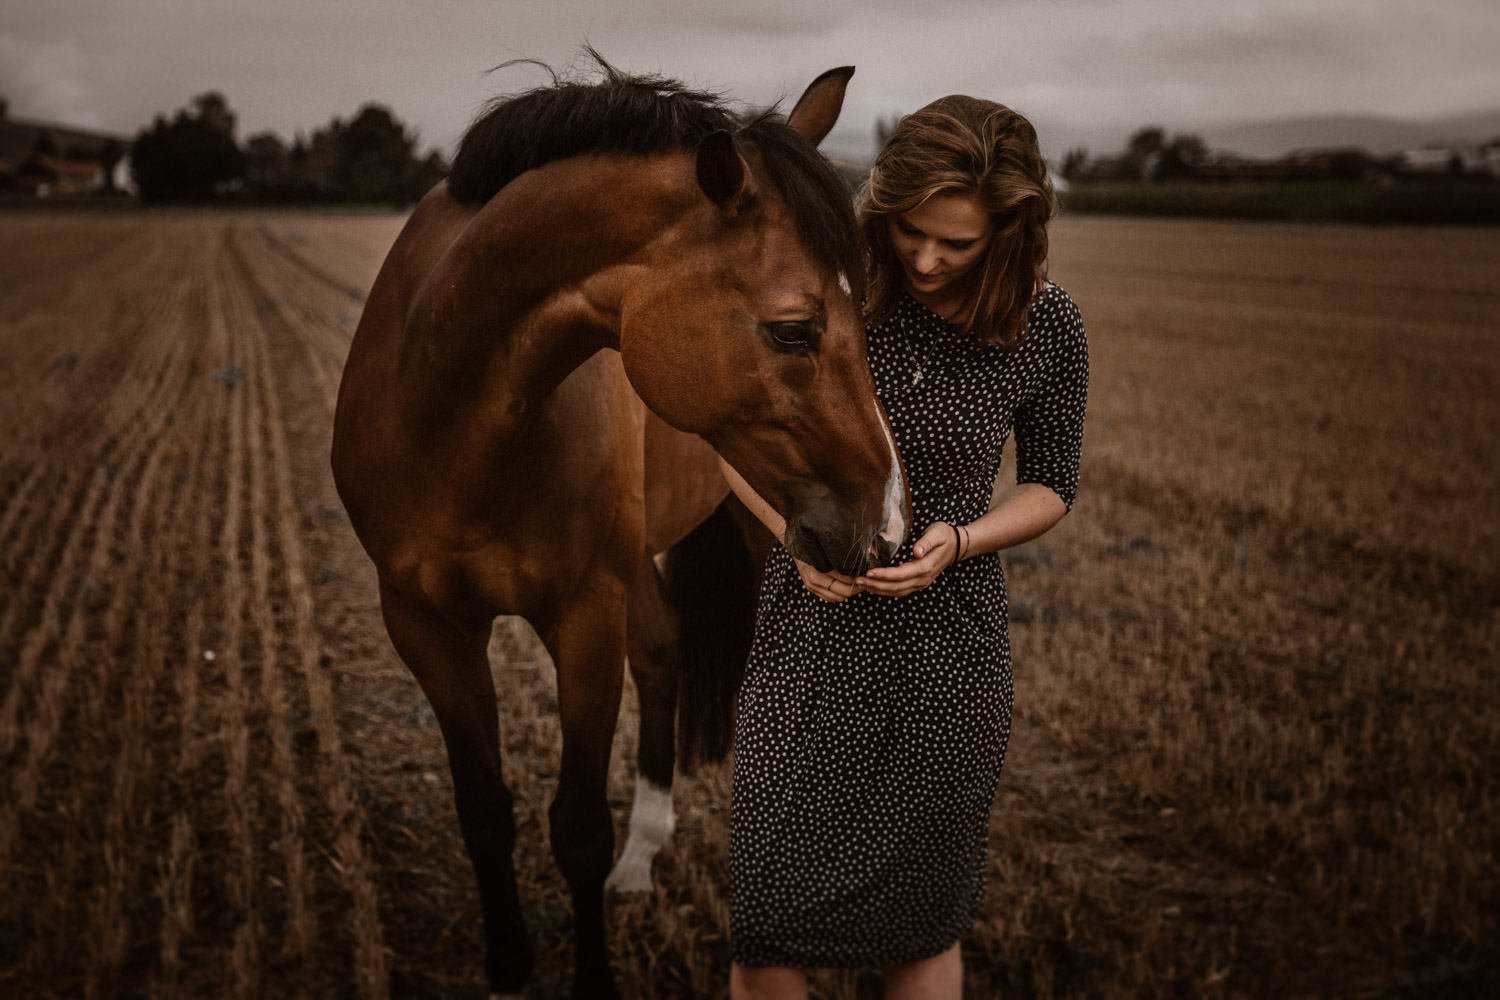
[(881, 551)]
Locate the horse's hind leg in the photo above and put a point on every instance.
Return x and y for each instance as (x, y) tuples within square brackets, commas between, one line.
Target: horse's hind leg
[(587, 644), (692, 613), (454, 672), (652, 643)]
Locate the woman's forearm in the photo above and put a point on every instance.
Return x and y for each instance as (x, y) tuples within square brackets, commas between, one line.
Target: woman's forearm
[(830, 586), (753, 501), (1028, 511)]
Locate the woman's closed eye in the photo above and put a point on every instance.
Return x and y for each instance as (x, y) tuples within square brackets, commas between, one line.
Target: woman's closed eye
[(911, 230)]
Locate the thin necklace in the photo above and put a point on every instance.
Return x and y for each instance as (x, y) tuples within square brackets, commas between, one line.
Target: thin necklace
[(920, 373)]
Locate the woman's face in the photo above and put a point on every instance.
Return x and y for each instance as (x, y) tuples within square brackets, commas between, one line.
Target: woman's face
[(940, 241)]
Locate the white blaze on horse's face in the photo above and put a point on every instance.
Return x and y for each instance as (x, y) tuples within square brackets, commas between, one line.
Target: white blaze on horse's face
[(808, 432), (894, 532)]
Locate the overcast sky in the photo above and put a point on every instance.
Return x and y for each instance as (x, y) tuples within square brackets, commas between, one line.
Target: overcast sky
[(1086, 71)]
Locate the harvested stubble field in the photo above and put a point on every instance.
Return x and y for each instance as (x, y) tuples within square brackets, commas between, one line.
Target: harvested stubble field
[(1255, 748)]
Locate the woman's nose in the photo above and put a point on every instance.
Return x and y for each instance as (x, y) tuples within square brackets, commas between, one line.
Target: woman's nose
[(927, 260)]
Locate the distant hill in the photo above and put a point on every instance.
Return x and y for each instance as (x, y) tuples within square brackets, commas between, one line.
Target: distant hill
[(1374, 133)]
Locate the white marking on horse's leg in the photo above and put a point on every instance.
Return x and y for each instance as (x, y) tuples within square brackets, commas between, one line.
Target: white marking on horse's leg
[(844, 282), (895, 512), (651, 825)]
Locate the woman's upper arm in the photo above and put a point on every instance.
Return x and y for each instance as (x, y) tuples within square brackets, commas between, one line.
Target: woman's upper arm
[(1049, 425)]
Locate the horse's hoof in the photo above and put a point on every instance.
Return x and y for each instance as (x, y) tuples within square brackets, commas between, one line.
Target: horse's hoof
[(651, 825), (629, 877)]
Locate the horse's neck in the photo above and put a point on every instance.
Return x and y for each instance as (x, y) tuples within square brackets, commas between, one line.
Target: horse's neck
[(530, 288)]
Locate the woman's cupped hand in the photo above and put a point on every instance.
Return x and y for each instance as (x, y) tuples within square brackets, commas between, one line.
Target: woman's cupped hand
[(934, 552)]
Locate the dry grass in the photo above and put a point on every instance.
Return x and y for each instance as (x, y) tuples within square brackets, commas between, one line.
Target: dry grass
[(1256, 667), (169, 829), (1278, 614)]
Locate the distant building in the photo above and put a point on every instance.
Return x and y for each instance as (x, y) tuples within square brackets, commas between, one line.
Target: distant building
[(48, 175), (1449, 159), (45, 158), (1491, 153)]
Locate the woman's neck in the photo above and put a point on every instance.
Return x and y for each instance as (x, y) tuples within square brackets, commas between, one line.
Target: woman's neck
[(945, 301), (949, 299)]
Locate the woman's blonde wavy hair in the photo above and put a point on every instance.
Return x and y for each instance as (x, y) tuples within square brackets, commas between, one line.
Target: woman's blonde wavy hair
[(965, 145)]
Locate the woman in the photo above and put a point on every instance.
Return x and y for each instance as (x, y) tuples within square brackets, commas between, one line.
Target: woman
[(875, 711)]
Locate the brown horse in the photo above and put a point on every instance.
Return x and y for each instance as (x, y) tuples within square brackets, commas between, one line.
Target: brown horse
[(495, 460)]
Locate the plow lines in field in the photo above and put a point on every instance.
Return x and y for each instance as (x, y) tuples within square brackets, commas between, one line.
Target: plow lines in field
[(177, 796)]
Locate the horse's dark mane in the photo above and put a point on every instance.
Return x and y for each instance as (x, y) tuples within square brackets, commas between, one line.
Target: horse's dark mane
[(625, 114), (817, 198), (640, 115)]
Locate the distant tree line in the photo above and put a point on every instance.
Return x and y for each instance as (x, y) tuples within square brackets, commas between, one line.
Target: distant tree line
[(1148, 155), (1157, 174), (1151, 156), (194, 157)]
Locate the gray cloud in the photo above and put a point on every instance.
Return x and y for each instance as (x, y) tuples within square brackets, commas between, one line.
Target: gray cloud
[(1085, 70), (51, 78), (763, 19)]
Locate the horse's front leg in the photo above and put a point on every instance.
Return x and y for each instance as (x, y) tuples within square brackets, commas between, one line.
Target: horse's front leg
[(587, 644), (453, 670)]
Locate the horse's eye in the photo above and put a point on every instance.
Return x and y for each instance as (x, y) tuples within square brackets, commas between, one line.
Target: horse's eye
[(798, 335)]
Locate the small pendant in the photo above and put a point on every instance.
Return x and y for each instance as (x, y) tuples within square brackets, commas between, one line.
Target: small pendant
[(916, 377)]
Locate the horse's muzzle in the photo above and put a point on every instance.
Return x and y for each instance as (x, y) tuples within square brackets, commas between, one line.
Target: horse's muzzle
[(882, 551), (826, 548)]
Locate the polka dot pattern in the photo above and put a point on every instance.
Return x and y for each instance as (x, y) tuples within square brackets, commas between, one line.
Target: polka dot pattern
[(871, 733)]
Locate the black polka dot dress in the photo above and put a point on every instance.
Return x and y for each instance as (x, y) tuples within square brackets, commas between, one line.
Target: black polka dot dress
[(871, 733)]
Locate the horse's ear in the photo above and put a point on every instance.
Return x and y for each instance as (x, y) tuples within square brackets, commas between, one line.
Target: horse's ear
[(723, 173), (818, 107)]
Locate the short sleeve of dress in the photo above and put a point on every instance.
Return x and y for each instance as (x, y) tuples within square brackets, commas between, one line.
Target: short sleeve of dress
[(1049, 424)]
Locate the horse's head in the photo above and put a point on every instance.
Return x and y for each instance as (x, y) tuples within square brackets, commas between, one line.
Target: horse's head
[(746, 329)]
